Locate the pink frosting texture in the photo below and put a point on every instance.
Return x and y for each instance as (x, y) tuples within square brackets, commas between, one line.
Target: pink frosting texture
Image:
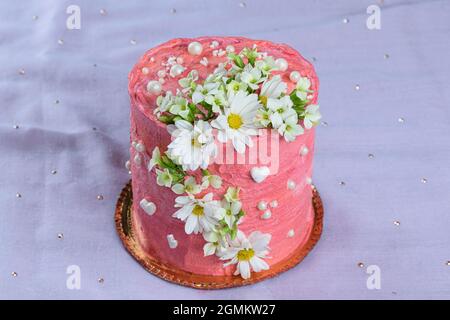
[(294, 211)]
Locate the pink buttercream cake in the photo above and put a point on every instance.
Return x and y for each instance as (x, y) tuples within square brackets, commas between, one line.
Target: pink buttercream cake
[(272, 215)]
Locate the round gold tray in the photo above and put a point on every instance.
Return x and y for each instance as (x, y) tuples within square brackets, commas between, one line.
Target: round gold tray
[(170, 273)]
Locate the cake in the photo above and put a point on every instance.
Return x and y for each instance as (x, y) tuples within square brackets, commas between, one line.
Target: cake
[(222, 141)]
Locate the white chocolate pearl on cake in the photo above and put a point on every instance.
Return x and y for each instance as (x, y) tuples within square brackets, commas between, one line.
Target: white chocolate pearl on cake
[(140, 147), (291, 233), (262, 205), (133, 144), (281, 64), (304, 150), (295, 76), (308, 180), (154, 87), (145, 70), (137, 159), (176, 70), (128, 165), (274, 203), (266, 215), (229, 48), (161, 73), (291, 185), (180, 60), (195, 48), (161, 80)]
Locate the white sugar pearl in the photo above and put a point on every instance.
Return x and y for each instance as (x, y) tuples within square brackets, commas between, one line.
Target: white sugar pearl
[(229, 48), (304, 150), (161, 73), (291, 185), (145, 70), (291, 233), (180, 60), (262, 205), (161, 80), (140, 147), (308, 180), (133, 144), (195, 48), (176, 70), (137, 160), (281, 64), (128, 165), (274, 203), (295, 76), (154, 87), (266, 215)]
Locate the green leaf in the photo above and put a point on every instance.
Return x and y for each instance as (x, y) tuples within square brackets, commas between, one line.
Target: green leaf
[(237, 60), (167, 119)]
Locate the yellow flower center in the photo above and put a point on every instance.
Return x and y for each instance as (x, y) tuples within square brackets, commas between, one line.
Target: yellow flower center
[(263, 100), (198, 210), (245, 254), (234, 121), (195, 142)]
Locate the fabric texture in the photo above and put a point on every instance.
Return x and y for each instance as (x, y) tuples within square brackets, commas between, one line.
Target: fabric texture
[(383, 92)]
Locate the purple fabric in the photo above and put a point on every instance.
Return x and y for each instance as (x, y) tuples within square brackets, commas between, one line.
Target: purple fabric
[(87, 74)]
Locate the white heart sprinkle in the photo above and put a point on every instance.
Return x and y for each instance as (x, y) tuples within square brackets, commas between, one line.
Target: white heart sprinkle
[(148, 206), (259, 174), (173, 243)]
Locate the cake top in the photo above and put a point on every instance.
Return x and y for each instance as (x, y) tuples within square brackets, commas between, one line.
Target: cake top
[(218, 90), (198, 79)]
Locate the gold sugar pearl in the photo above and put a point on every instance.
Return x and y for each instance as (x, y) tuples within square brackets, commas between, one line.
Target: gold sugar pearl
[(100, 280), (100, 197), (14, 274), (360, 265), (397, 223)]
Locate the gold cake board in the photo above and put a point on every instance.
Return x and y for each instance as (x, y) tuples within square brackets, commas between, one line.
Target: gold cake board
[(173, 274)]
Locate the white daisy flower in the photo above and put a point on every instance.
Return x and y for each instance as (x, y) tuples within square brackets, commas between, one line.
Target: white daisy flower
[(211, 180), (155, 160), (217, 101), (203, 91), (252, 76), (232, 209), (266, 65), (237, 121), (290, 127), (248, 253), (188, 83), (312, 116), (302, 88), (164, 102), (280, 109), (272, 88), (263, 117), (199, 215), (215, 244), (232, 194), (235, 86), (192, 145), (164, 178), (179, 107), (189, 186)]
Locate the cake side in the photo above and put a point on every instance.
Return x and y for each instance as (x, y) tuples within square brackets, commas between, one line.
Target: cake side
[(280, 205)]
